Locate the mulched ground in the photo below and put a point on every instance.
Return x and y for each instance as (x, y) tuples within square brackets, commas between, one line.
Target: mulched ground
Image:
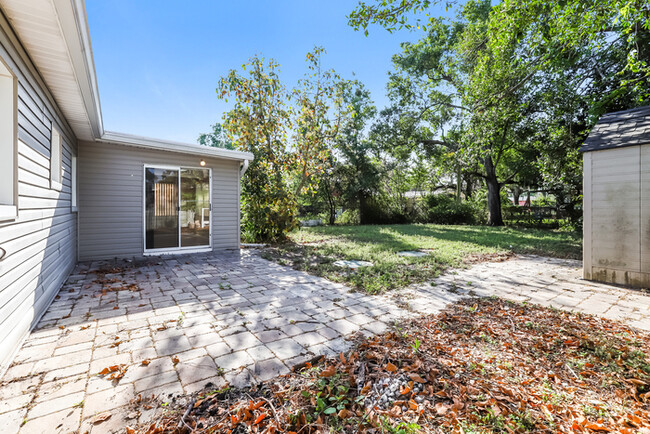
[(482, 365)]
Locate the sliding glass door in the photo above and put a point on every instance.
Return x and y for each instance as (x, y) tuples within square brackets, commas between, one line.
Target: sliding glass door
[(177, 208), (195, 207)]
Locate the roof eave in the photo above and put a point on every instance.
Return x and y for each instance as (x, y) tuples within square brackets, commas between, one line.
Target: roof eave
[(73, 22), (171, 146)]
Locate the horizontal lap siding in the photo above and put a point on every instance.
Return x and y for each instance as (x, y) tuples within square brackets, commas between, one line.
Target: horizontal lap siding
[(41, 243), (111, 198), (615, 204)]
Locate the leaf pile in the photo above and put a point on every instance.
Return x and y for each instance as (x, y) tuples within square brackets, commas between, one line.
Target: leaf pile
[(481, 365), (114, 372)]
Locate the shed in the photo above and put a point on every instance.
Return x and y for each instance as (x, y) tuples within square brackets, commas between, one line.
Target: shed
[(616, 159)]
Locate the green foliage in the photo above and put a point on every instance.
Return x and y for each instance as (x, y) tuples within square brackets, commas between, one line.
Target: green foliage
[(444, 209), (259, 123), (320, 111), (290, 133), (513, 89), (217, 138)]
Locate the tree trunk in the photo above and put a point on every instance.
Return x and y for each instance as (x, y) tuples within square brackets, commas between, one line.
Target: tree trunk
[(468, 186), (362, 209), (516, 193), (493, 194), (331, 204), (332, 214), (458, 183)]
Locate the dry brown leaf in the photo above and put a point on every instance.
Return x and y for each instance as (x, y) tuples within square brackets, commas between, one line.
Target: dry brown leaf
[(417, 378), (390, 367), (145, 362), (330, 371), (101, 417), (441, 409)]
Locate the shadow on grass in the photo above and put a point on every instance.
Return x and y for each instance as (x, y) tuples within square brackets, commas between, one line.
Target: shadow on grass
[(416, 236)]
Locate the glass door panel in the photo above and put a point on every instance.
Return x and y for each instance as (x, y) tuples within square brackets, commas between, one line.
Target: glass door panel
[(161, 208), (195, 207)]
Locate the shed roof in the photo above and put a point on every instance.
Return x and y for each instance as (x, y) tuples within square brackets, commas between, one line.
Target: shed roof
[(619, 129)]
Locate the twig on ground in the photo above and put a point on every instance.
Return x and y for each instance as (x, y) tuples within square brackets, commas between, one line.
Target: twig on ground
[(187, 413)]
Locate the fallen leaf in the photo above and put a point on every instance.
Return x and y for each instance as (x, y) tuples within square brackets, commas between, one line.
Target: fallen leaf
[(145, 362), (441, 409), (101, 418), (390, 367), (259, 419), (328, 372), (417, 378)]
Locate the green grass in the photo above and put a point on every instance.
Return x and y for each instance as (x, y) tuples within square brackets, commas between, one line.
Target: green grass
[(315, 249)]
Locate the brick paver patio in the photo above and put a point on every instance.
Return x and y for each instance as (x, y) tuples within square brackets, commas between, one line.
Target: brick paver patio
[(235, 317)]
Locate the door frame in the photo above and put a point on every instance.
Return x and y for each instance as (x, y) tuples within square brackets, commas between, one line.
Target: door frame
[(179, 249)]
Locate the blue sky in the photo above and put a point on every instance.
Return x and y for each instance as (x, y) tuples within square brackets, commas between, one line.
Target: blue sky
[(158, 62)]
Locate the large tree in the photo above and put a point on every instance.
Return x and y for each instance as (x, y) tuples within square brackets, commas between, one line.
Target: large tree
[(319, 112), (355, 150), (441, 108), (260, 122), (546, 70)]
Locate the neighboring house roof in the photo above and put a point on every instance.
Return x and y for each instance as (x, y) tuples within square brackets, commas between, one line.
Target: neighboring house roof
[(619, 129), (56, 38)]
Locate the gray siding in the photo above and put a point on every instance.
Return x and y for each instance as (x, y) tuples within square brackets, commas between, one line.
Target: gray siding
[(617, 215), (111, 198), (41, 243)]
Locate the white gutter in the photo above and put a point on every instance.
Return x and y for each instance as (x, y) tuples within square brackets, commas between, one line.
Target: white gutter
[(244, 168), (171, 146), (73, 23)]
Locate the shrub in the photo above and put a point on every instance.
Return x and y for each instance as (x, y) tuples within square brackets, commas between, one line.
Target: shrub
[(268, 219), (378, 211), (348, 217), (445, 209)]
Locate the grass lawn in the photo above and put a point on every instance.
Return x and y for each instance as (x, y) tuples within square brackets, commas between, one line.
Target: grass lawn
[(316, 249)]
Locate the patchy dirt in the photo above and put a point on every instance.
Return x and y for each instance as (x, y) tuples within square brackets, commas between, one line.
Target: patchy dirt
[(489, 257), (481, 365)]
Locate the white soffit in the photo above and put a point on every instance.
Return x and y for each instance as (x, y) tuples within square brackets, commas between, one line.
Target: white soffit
[(55, 35)]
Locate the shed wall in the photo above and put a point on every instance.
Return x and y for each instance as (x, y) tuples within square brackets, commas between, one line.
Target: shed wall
[(111, 198), (41, 244), (617, 215)]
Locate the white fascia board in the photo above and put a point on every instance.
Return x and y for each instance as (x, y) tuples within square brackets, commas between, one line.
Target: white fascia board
[(73, 22), (171, 146)]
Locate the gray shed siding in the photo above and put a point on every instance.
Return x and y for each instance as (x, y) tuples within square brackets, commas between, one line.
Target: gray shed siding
[(41, 244), (617, 215), (111, 198)]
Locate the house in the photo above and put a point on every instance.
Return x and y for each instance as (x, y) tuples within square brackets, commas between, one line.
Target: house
[(616, 158), (69, 190)]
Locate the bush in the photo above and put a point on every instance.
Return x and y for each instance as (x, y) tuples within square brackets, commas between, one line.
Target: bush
[(348, 217), (268, 219), (445, 209), (380, 212)]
